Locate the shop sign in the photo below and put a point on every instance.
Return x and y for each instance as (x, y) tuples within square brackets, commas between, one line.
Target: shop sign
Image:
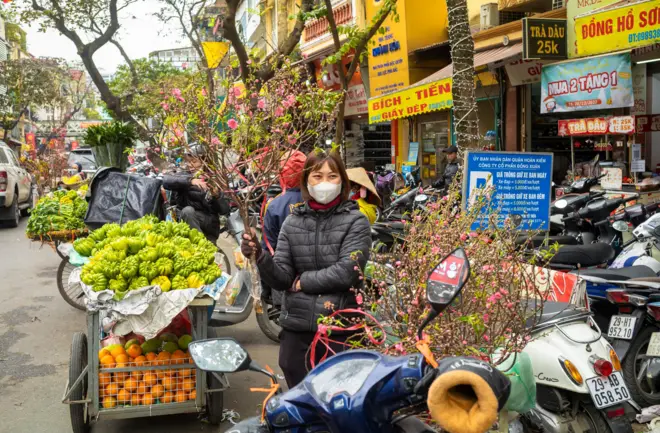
[(410, 102), (521, 182), (544, 38), (638, 166), (639, 89), (356, 101), (388, 53), (603, 82), (327, 76), (628, 26), (622, 125), (524, 71), (650, 123), (591, 126), (613, 179), (575, 8)]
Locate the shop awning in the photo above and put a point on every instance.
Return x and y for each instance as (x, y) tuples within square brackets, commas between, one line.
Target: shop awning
[(433, 92)]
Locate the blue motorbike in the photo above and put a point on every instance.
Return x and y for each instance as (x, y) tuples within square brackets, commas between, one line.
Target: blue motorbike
[(364, 391)]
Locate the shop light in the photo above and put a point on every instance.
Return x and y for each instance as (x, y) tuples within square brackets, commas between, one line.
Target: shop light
[(647, 61)]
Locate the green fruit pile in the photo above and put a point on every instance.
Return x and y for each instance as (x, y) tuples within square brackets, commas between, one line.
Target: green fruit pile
[(61, 210), (147, 252)]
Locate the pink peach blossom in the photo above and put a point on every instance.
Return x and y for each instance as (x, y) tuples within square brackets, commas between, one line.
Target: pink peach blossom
[(232, 123)]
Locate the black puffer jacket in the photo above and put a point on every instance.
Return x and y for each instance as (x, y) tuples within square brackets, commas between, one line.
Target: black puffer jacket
[(189, 195), (322, 249)]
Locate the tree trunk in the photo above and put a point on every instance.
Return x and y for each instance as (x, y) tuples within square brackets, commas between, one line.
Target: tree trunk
[(340, 128), (282, 22), (466, 120)]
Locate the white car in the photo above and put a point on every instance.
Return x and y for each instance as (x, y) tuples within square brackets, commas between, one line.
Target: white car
[(16, 196)]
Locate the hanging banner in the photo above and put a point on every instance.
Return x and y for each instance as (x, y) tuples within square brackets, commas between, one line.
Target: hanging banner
[(544, 38), (650, 123), (591, 126), (416, 100), (596, 126), (639, 89), (603, 82), (356, 101), (522, 72), (327, 76), (627, 26)]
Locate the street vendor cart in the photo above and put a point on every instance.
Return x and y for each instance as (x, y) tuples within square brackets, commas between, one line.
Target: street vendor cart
[(172, 386)]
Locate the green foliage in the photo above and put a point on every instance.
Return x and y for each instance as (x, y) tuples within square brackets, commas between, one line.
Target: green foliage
[(16, 34), (91, 114)]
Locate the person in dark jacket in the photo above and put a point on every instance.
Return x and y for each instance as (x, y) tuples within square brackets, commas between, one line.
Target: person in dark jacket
[(319, 247), (199, 206), (452, 167)]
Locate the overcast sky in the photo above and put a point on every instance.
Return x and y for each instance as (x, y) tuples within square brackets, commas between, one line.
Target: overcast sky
[(140, 34)]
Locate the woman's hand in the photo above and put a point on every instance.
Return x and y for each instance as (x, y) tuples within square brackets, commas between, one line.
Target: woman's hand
[(250, 245)]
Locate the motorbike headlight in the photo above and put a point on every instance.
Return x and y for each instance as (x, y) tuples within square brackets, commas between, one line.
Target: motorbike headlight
[(347, 377)]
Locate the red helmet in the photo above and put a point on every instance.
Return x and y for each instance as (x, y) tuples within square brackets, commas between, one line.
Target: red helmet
[(292, 170)]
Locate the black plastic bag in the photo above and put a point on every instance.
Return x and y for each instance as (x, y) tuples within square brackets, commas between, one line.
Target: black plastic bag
[(116, 197)]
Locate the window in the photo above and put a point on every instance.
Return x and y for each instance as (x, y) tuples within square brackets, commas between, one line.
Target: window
[(12, 158), (3, 157)]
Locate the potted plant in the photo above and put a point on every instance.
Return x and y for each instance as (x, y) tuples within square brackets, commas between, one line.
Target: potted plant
[(110, 143)]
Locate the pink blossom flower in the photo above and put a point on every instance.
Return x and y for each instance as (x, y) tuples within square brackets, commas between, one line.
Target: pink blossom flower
[(178, 133), (465, 342), (237, 92), (249, 62), (359, 299), (286, 125), (435, 250), (232, 123), (486, 338), (486, 317), (261, 104), (292, 139), (176, 92), (399, 347), (157, 149), (305, 55), (215, 141), (355, 268), (464, 237), (279, 111), (165, 106), (204, 91), (473, 234)]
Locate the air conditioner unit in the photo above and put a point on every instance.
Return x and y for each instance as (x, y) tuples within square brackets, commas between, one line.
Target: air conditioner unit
[(489, 16)]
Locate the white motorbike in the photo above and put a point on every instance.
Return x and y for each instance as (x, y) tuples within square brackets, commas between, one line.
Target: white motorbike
[(579, 384), (639, 250)]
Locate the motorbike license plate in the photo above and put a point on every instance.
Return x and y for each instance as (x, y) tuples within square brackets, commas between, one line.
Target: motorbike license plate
[(654, 345), (608, 391), (622, 327)]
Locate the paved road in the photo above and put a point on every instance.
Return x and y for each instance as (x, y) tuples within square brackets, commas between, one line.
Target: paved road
[(35, 337)]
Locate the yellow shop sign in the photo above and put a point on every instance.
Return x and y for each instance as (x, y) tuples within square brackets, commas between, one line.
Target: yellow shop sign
[(625, 27), (409, 102)]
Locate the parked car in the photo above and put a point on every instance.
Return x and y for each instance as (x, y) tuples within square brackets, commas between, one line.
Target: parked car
[(16, 191), (85, 157)]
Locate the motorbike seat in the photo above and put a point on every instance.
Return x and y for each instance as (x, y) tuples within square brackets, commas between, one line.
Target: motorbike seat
[(540, 240), (389, 226), (583, 255), (553, 311), (622, 274)]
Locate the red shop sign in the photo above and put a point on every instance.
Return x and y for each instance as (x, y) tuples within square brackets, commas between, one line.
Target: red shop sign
[(591, 126), (647, 123)]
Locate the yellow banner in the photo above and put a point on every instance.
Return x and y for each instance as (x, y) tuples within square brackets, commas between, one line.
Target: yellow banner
[(410, 102), (617, 29), (214, 52)]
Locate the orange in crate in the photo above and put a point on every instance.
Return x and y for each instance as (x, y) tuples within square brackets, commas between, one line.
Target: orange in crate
[(109, 402), (178, 357), (185, 372), (103, 353), (121, 377), (151, 356), (105, 379), (188, 385), (136, 400), (168, 397), (162, 374), (131, 384), (181, 396), (157, 391), (140, 360), (142, 388), (134, 350), (193, 394), (137, 375), (108, 361), (148, 399), (118, 351), (112, 389), (121, 360), (163, 358), (123, 396), (169, 383), (150, 378)]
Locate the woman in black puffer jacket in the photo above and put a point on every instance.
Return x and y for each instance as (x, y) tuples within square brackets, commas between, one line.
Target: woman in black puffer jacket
[(319, 247)]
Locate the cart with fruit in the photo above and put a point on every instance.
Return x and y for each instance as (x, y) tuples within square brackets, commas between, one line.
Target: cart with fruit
[(140, 378)]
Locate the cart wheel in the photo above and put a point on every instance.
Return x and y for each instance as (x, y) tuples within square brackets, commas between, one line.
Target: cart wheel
[(214, 400), (72, 293), (62, 256), (77, 363)]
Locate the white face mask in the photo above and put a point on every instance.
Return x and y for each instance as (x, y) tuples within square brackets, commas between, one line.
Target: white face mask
[(324, 192)]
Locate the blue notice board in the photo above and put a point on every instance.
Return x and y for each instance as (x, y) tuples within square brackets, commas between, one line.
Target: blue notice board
[(522, 185)]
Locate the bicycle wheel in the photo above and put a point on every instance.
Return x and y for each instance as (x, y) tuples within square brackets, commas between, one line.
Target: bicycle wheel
[(72, 293), (57, 244)]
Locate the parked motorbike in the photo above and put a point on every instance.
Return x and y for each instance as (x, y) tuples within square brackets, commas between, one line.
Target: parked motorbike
[(365, 391)]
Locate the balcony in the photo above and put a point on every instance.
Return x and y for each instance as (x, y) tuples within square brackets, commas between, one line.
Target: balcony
[(318, 29)]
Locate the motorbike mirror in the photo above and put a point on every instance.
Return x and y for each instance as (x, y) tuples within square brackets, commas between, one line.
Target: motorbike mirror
[(220, 355), (620, 226), (421, 197), (447, 279), (561, 204)]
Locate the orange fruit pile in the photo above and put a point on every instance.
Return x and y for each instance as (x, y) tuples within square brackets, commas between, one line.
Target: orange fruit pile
[(145, 387)]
